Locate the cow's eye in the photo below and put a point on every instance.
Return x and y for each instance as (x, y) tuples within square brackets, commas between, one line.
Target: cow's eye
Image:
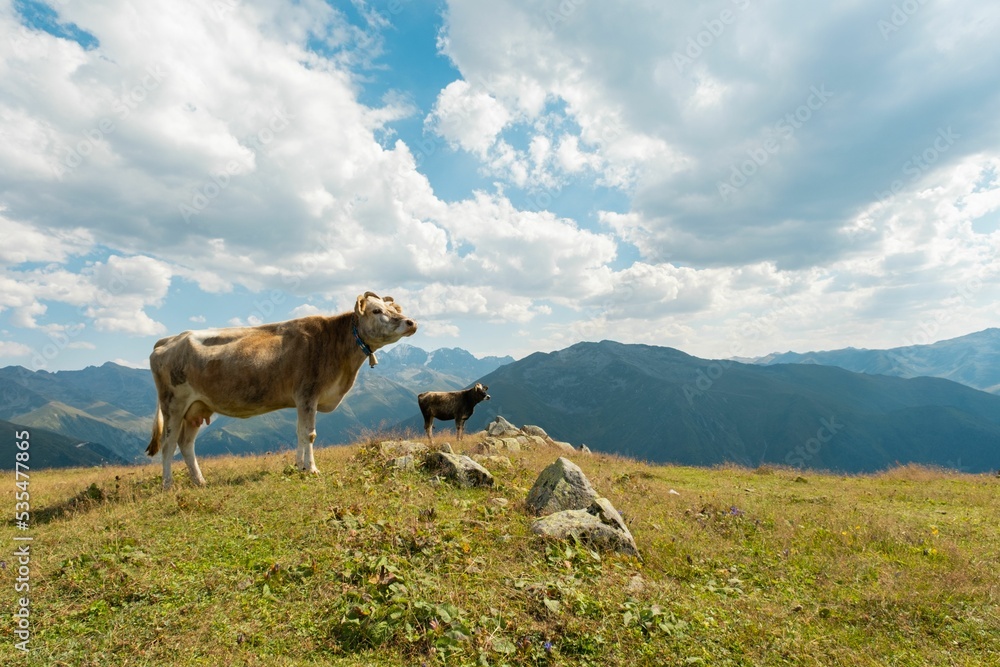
[(377, 311)]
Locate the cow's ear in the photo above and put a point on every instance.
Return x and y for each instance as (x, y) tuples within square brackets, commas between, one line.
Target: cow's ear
[(359, 305)]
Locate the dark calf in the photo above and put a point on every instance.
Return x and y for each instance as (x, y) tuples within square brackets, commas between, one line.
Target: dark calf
[(448, 405)]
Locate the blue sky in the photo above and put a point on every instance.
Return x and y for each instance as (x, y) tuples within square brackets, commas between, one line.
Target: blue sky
[(730, 178)]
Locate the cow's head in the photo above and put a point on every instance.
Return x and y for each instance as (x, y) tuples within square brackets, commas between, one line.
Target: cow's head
[(380, 320), (479, 391)]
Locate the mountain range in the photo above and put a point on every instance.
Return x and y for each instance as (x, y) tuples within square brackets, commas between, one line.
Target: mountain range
[(973, 360), (844, 410), (662, 405)]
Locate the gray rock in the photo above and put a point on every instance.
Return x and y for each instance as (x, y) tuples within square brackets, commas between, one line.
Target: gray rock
[(510, 444), (497, 446), (606, 512), (407, 462), (446, 448), (536, 441), (500, 427), (396, 448), (561, 486), (493, 461), (459, 468), (600, 526), (530, 429), (585, 449), (564, 446)]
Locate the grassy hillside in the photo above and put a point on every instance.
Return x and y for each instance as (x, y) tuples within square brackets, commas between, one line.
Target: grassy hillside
[(358, 566)]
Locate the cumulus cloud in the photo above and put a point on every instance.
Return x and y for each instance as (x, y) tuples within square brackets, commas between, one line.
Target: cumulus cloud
[(29, 243), (305, 310), (470, 119), (757, 180), (728, 166), (12, 349)]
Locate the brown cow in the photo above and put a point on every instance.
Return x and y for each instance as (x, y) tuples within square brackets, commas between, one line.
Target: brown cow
[(309, 364), (447, 405)]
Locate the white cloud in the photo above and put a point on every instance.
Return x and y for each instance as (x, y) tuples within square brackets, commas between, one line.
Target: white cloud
[(130, 363), (28, 243), (220, 148), (672, 134), (439, 329), (12, 349), (469, 118), (305, 310)]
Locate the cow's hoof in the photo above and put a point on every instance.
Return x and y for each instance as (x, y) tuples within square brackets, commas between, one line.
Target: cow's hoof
[(312, 470)]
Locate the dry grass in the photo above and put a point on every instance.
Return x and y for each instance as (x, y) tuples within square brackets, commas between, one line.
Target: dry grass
[(362, 566)]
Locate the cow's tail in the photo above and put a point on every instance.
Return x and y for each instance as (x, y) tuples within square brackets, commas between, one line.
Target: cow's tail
[(154, 441)]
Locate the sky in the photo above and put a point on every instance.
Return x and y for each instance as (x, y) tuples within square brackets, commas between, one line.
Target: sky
[(731, 177)]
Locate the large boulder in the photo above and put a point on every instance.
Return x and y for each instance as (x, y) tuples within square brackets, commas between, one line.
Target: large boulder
[(500, 428), (498, 446), (530, 429), (458, 468), (561, 486), (600, 526)]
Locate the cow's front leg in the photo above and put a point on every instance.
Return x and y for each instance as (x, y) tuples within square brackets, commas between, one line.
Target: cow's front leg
[(306, 432)]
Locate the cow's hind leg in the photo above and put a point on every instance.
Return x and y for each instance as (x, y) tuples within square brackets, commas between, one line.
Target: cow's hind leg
[(186, 442), (197, 414), (460, 427), (306, 432), (429, 429)]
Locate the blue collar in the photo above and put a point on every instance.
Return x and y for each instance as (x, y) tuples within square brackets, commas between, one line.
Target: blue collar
[(362, 344)]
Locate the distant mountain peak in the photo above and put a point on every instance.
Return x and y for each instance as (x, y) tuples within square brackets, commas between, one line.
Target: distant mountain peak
[(972, 359)]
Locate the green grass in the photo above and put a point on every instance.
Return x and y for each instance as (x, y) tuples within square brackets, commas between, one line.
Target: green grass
[(266, 566)]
